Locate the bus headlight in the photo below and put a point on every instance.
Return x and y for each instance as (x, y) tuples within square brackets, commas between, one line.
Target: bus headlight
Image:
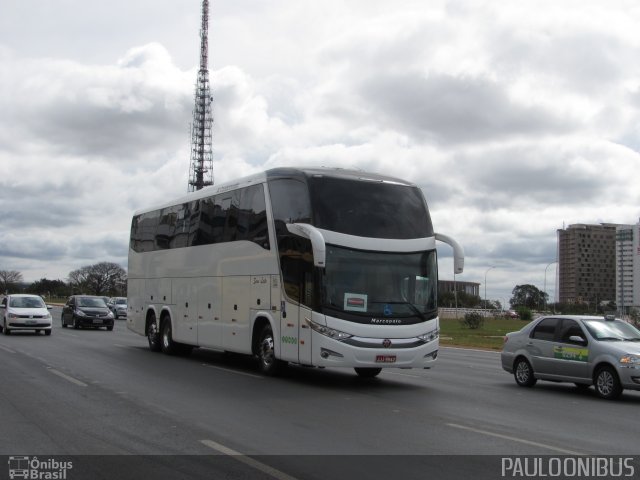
[(328, 332), (430, 336)]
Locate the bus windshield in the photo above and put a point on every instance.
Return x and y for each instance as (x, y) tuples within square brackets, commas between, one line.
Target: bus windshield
[(380, 287)]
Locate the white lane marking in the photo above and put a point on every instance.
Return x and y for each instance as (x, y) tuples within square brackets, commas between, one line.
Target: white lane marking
[(273, 472), (515, 439), (232, 371), (8, 350), (67, 377)]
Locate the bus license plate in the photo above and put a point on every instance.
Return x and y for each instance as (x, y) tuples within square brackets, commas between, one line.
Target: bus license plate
[(385, 358)]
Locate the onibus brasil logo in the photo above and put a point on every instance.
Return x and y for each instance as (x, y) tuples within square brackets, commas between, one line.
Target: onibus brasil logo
[(35, 469)]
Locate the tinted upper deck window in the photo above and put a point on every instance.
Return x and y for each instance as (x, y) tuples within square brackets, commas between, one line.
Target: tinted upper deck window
[(369, 208)]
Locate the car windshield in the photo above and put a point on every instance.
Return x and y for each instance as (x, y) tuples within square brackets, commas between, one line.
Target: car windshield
[(91, 302), (121, 301), (26, 302), (379, 284), (612, 330)]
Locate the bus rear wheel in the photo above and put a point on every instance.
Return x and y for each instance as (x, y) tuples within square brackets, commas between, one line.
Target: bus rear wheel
[(267, 361), (367, 372), (167, 345), (153, 335)]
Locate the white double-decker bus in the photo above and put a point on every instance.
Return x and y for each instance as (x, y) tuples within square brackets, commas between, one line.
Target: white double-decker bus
[(321, 267)]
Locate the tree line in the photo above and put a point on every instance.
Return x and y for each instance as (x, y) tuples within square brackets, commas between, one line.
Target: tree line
[(104, 278)]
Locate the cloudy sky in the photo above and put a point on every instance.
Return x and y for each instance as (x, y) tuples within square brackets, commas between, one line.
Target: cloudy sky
[(515, 118)]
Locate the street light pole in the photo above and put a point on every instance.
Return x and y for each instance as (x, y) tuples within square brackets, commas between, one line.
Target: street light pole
[(544, 296), (485, 285)]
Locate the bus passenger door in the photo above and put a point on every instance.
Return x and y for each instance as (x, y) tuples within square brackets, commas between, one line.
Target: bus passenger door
[(210, 313), (289, 320), (295, 334)]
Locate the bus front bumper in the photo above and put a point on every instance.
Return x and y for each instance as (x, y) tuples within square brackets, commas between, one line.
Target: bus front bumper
[(400, 353)]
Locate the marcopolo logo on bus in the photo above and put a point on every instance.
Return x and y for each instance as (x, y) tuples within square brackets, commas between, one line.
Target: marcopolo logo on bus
[(35, 469)]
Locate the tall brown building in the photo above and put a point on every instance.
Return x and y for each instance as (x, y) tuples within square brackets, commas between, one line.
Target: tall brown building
[(587, 263)]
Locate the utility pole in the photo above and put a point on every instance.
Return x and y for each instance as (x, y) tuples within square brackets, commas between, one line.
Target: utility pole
[(201, 169)]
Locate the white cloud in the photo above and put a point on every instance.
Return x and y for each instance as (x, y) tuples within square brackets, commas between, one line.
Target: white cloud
[(513, 118)]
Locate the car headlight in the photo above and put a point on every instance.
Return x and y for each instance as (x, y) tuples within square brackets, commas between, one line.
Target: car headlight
[(430, 336), (328, 332), (80, 313), (631, 361), (13, 315), (110, 314)]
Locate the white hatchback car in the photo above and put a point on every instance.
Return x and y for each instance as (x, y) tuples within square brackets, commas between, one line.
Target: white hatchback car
[(24, 312)]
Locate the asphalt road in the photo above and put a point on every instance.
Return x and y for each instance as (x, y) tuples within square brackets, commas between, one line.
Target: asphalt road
[(94, 392)]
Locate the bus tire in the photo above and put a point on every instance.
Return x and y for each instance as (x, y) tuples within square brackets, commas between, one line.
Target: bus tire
[(367, 372), (153, 334), (167, 344), (267, 361)]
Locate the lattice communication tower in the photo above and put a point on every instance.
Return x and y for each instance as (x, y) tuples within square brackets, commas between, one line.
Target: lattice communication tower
[(201, 170)]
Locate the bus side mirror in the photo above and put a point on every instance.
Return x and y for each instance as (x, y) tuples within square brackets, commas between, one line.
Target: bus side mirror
[(317, 241), (458, 252)]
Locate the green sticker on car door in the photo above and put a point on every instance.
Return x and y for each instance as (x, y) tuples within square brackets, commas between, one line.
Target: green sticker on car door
[(576, 354)]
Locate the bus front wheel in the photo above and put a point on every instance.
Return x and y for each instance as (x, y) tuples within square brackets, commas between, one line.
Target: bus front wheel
[(267, 361)]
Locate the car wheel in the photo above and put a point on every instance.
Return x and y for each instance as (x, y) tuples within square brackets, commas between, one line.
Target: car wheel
[(523, 373), (5, 329), (64, 325), (267, 361), (153, 335), (47, 332), (76, 323), (110, 328), (367, 372), (607, 383)]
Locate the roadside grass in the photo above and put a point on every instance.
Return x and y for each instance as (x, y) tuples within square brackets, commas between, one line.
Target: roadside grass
[(489, 336)]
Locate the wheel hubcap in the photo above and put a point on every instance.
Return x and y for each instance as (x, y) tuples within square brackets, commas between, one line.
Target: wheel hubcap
[(522, 372), (267, 351), (153, 333), (605, 383)]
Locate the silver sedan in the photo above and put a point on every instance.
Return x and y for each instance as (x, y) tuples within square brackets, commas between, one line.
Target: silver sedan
[(585, 350)]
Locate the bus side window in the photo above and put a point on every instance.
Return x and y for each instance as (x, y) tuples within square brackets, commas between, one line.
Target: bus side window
[(231, 206), (252, 220)]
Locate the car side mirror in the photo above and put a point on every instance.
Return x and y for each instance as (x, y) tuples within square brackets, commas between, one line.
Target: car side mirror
[(577, 339)]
